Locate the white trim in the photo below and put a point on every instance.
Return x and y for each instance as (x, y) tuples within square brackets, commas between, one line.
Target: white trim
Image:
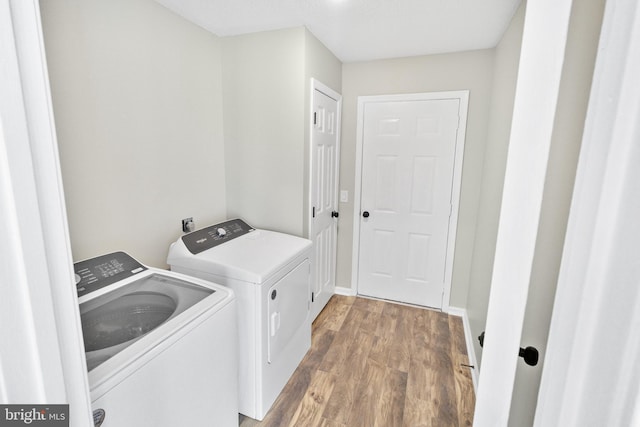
[(347, 292), (591, 374), (321, 87), (468, 337), (540, 70), (463, 96), (37, 243)]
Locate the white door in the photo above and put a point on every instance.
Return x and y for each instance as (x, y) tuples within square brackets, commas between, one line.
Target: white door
[(408, 162), (325, 132), (540, 70), (591, 372), (43, 356)]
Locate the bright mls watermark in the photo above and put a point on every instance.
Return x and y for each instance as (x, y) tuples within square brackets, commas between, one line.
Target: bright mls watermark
[(34, 415)]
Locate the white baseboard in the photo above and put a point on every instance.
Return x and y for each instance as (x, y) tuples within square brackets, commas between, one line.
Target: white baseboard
[(461, 312), (348, 292)]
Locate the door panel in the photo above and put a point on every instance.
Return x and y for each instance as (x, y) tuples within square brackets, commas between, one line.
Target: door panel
[(324, 187), (422, 185), (407, 178)]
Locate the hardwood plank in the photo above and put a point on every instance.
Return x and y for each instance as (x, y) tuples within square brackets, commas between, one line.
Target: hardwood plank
[(309, 412), (369, 304), (400, 350), (390, 409), (392, 308), (339, 351), (418, 413), (349, 376), (443, 388), (421, 380), (440, 335), (333, 315), (385, 333), (330, 423), (368, 394), (444, 400), (458, 342), (381, 348), (464, 396), (370, 321), (387, 321), (326, 312), (420, 335)]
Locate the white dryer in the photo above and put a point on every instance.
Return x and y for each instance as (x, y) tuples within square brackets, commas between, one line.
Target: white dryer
[(270, 275), (161, 347)]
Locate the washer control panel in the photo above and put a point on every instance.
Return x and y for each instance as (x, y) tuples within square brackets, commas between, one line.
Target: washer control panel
[(95, 273), (207, 238)]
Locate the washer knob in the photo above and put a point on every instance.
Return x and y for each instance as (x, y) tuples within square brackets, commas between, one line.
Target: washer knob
[(221, 232)]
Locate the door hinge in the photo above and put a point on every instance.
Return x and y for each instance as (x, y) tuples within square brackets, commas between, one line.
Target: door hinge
[(313, 296), (313, 212), (315, 118)]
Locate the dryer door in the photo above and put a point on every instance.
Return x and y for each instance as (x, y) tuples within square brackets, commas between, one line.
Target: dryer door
[(288, 308)]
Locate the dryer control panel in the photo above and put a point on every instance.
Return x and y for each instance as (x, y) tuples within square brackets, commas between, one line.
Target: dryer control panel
[(207, 238), (95, 273)]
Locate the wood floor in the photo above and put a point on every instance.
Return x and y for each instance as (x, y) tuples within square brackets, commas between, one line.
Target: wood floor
[(375, 363)]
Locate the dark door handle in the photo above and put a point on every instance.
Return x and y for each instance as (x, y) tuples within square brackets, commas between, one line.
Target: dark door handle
[(529, 354), (365, 214), (334, 214)]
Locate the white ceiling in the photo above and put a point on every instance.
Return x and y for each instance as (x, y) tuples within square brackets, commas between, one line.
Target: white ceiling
[(360, 30)]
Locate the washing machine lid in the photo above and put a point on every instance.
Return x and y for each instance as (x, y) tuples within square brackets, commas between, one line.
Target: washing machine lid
[(115, 320), (122, 302), (253, 257)]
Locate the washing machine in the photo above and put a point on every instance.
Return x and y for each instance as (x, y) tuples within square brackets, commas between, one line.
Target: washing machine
[(161, 348), (270, 275)]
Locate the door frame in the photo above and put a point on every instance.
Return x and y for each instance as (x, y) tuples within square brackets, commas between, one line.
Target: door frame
[(463, 96), (597, 286), (46, 362), (321, 87), (540, 70)]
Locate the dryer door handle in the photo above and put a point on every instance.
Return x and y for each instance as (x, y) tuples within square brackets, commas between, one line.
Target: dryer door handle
[(275, 323)]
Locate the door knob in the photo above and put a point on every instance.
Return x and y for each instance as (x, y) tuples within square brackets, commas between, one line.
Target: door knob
[(529, 354), (334, 214), (365, 214)]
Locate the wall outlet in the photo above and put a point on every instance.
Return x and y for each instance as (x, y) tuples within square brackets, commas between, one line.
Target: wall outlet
[(188, 225)]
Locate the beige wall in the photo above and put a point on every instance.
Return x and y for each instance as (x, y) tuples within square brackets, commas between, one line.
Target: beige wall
[(266, 81), (321, 64), (575, 86), (458, 71), (139, 95), (138, 109), (263, 81), (507, 56)]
